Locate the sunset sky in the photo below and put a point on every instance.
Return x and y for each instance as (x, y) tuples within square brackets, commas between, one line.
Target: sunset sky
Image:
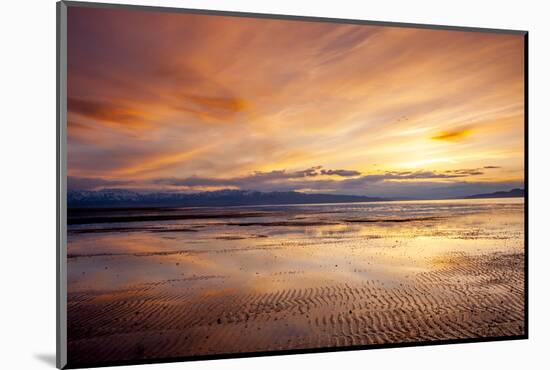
[(172, 101)]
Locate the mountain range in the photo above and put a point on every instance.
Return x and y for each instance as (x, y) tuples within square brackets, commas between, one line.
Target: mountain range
[(128, 198), (514, 193)]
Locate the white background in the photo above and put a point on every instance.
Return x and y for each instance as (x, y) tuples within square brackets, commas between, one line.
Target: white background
[(27, 206)]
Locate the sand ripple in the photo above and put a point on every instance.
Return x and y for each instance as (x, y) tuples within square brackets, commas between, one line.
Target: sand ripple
[(461, 297)]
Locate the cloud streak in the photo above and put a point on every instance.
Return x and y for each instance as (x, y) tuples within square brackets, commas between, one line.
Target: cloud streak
[(212, 108), (85, 183), (262, 180), (453, 135), (109, 112)]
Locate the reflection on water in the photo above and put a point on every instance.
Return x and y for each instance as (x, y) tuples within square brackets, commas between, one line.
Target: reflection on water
[(271, 247)]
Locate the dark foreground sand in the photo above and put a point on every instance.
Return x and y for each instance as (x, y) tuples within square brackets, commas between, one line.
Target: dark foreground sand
[(462, 298)]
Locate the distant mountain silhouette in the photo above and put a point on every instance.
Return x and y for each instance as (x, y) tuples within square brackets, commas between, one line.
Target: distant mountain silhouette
[(514, 193), (127, 198)]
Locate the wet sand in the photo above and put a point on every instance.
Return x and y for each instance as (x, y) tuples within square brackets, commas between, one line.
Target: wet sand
[(338, 278)]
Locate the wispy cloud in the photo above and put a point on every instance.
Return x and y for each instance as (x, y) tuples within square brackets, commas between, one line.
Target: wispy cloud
[(212, 108), (343, 173), (85, 183), (275, 179)]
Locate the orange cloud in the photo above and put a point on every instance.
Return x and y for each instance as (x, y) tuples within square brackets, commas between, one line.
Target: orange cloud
[(111, 112), (212, 108), (455, 135), (157, 162)]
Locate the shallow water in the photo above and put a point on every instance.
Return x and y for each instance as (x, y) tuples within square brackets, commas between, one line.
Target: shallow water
[(340, 242)]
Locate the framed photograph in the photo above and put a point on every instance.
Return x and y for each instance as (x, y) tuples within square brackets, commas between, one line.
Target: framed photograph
[(235, 184)]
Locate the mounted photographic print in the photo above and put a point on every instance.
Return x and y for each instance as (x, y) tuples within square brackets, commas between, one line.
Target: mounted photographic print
[(235, 184)]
